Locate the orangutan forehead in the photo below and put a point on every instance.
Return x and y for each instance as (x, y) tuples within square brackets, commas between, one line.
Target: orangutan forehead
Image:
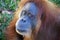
[(31, 7)]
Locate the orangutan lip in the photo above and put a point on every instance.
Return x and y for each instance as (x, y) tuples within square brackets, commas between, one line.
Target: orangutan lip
[(22, 30)]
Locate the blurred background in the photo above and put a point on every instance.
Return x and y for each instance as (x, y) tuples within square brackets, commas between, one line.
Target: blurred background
[(7, 8)]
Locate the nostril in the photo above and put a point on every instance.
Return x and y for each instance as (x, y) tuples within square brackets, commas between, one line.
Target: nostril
[(23, 20)]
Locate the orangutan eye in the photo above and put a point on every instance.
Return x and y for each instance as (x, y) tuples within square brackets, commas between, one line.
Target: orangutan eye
[(24, 12), (30, 15)]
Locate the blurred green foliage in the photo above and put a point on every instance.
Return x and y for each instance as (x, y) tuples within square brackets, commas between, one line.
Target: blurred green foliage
[(5, 18), (4, 21), (8, 4), (57, 2)]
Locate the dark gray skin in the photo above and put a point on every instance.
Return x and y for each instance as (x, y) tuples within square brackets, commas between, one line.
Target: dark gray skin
[(28, 19)]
